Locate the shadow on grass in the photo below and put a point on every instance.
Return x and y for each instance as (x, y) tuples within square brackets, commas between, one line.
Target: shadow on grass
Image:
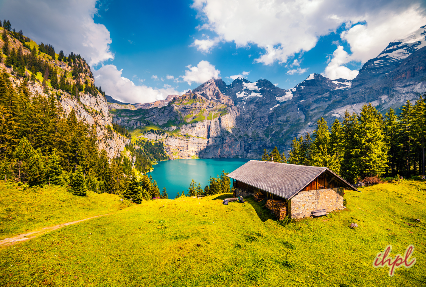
[(224, 196), (263, 213)]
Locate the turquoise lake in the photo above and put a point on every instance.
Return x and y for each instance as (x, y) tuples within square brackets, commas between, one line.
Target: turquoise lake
[(176, 175)]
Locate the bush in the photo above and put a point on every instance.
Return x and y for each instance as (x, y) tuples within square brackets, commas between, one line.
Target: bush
[(371, 180)]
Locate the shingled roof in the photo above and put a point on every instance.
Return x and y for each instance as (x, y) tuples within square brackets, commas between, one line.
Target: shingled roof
[(282, 179)]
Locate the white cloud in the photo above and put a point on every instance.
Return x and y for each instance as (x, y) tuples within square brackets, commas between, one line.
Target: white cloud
[(155, 77), (123, 89), (67, 25), (205, 45), (335, 68), (283, 28), (169, 77), (296, 71), (367, 41), (295, 63), (203, 72), (242, 75)]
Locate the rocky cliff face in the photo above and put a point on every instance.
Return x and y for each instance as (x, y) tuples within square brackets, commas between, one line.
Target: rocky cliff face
[(242, 119), (92, 108)]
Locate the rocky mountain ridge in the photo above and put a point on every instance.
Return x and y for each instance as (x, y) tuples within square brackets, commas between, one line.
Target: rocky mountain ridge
[(258, 115)]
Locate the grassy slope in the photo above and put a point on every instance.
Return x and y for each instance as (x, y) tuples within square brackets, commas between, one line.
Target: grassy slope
[(31, 209), (190, 242)]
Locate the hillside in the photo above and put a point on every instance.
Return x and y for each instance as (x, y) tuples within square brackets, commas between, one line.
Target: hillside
[(56, 127), (201, 242), (69, 79), (257, 115)]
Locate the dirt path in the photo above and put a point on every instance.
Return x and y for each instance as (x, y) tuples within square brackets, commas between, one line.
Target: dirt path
[(34, 234)]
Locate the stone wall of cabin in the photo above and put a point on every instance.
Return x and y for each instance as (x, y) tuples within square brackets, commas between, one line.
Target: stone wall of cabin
[(307, 201)]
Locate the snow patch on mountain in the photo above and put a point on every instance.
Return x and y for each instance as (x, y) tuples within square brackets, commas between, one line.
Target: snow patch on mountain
[(243, 94), (253, 94), (288, 96), (274, 107), (250, 86), (311, 77), (342, 85), (402, 48)]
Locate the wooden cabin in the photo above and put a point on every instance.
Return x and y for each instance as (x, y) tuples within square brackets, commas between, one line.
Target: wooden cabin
[(290, 190)]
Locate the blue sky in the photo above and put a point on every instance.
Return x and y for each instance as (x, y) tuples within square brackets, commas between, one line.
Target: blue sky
[(141, 51)]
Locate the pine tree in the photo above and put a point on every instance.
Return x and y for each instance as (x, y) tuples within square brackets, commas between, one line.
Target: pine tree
[(192, 189), (45, 76), (265, 156), (8, 130), (373, 148), (336, 146), (198, 189), (306, 145), (10, 60), (22, 154), (156, 190), (225, 183), (206, 190), (164, 194), (54, 169), (293, 156), (320, 155), (283, 158), (133, 190), (77, 182), (35, 169), (419, 131), (54, 79), (275, 155), (61, 55), (406, 140), (391, 137), (351, 166), (5, 39), (7, 26)]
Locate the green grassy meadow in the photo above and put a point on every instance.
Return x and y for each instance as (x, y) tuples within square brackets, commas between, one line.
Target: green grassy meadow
[(24, 210), (201, 242)]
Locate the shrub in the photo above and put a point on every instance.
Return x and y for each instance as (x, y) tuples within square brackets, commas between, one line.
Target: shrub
[(371, 180)]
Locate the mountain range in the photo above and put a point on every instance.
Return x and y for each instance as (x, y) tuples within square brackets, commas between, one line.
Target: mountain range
[(244, 118)]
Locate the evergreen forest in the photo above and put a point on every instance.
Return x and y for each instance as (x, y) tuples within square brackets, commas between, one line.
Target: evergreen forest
[(40, 144), (365, 145)]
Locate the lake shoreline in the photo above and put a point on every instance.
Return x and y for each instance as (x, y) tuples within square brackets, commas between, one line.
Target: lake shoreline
[(177, 174)]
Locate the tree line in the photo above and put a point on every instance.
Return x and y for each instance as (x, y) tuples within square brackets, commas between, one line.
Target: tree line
[(220, 184), (363, 145), (41, 145), (31, 63)]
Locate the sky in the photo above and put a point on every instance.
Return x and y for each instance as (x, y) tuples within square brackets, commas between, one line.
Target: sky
[(142, 51)]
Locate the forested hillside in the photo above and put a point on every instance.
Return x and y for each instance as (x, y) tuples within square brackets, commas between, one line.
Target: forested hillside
[(365, 144), (55, 125)]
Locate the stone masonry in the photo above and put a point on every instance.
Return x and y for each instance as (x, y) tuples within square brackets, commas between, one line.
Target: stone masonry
[(307, 201)]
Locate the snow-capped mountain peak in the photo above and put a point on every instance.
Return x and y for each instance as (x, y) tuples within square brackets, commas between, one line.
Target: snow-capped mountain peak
[(401, 49)]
